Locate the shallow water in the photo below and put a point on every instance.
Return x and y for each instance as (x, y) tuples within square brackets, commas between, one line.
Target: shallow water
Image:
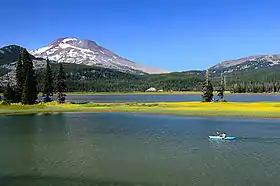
[(137, 149)]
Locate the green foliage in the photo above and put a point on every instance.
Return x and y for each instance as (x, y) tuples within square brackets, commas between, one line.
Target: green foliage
[(237, 88), (9, 94), (221, 89), (96, 79), (29, 95), (48, 83), (19, 79), (83, 78), (60, 84), (207, 90), (256, 87)]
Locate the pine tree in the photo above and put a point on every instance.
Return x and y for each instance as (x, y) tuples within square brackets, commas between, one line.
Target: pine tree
[(221, 89), (26, 93), (9, 94), (25, 63), (254, 89), (274, 87), (207, 90), (237, 88), (261, 88), (60, 84), (19, 80), (29, 95), (48, 83)]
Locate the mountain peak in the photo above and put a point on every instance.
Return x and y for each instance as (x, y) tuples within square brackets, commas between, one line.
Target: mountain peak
[(63, 40), (87, 52)]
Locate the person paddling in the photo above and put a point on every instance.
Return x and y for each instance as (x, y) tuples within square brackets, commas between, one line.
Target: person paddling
[(223, 135)]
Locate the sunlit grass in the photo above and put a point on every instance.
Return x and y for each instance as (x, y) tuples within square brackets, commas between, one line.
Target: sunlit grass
[(238, 109)]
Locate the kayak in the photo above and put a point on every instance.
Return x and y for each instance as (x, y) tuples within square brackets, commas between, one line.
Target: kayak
[(220, 138)]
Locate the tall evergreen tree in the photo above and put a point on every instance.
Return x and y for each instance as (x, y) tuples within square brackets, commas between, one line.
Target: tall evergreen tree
[(29, 95), (9, 94), (20, 79), (207, 90), (48, 83), (221, 89), (25, 63), (261, 88), (60, 84)]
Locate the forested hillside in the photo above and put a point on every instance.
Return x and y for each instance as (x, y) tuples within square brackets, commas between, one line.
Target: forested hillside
[(97, 79), (89, 78)]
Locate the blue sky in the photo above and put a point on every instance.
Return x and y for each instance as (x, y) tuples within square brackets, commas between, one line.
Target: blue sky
[(174, 35)]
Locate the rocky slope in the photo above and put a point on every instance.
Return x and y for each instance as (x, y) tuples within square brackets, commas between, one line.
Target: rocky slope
[(247, 63), (86, 52)]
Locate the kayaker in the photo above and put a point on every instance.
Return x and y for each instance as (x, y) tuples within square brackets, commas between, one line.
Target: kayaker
[(223, 135)]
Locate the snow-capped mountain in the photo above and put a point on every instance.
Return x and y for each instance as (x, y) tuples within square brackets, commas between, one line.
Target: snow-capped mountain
[(73, 50), (247, 63)]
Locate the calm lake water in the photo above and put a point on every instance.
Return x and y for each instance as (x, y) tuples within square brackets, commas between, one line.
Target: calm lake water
[(137, 149), (169, 98)]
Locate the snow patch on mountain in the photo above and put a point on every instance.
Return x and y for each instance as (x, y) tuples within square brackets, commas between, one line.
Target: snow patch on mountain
[(44, 49), (69, 39), (73, 50)]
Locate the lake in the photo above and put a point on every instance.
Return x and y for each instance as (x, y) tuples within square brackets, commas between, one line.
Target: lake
[(137, 149), (170, 98)]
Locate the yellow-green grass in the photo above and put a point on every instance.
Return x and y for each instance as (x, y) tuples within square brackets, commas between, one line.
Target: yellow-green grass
[(232, 109)]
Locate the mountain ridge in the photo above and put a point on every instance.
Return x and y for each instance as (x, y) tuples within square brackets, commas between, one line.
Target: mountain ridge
[(259, 69), (88, 52), (10, 53), (256, 61)]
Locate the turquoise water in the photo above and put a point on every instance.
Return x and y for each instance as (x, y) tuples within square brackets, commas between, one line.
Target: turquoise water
[(137, 149)]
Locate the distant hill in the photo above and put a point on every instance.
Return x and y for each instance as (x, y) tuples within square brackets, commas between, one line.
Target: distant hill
[(247, 63), (9, 54)]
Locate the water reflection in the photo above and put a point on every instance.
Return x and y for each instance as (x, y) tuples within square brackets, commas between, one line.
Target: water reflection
[(136, 149)]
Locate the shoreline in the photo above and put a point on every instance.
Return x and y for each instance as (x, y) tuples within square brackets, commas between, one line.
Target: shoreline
[(160, 93), (155, 93), (229, 109)]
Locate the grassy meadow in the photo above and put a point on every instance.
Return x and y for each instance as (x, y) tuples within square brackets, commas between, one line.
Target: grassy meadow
[(232, 109)]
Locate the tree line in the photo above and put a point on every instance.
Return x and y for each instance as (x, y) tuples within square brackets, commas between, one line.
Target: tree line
[(96, 79), (25, 91), (256, 87), (207, 89)]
